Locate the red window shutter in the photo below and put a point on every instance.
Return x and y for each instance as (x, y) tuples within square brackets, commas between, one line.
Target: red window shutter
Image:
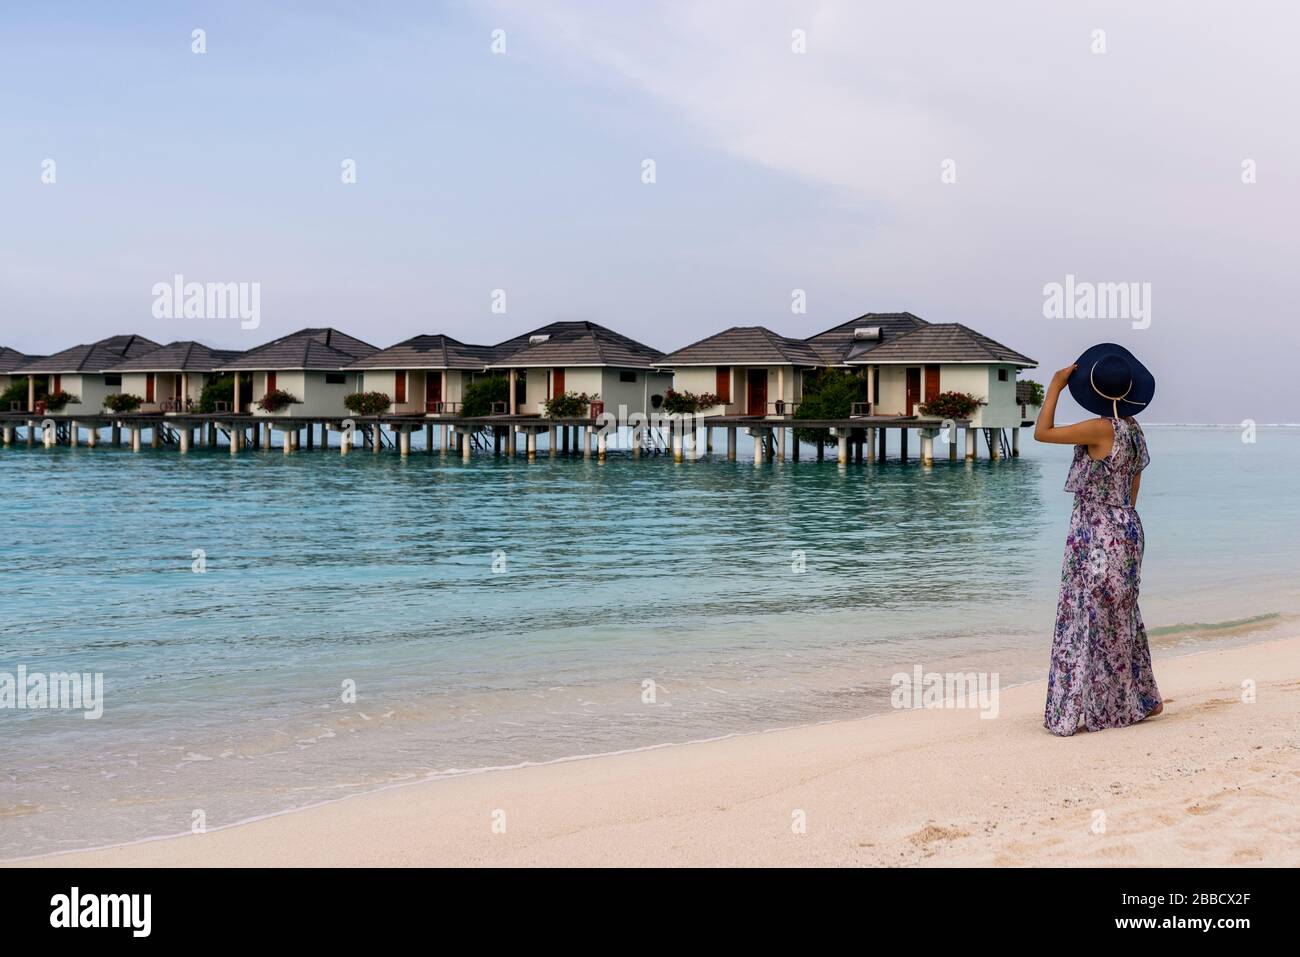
[(399, 389), (148, 386), (58, 384), (931, 383), (723, 384), (270, 382), (557, 382)]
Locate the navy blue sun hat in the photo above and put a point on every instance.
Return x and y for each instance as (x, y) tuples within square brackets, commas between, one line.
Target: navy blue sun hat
[(1110, 382)]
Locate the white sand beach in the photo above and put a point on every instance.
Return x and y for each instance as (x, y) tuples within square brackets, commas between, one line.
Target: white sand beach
[(1212, 781)]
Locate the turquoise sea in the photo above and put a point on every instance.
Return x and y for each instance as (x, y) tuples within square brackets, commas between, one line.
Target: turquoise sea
[(498, 612)]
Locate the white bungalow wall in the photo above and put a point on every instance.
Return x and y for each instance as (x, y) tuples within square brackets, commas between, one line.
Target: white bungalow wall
[(634, 395), (90, 389), (135, 383), (417, 383), (315, 395), (604, 383), (999, 411), (784, 382)]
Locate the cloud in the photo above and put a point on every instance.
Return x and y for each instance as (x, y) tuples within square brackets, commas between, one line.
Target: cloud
[(1115, 166)]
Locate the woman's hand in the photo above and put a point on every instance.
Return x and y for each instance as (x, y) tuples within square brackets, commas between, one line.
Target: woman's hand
[(1061, 377)]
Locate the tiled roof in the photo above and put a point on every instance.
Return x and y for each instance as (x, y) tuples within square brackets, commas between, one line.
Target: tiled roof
[(837, 345), (428, 352), (180, 356), (745, 345), (575, 344), (945, 342), (11, 359), (92, 356), (325, 348)]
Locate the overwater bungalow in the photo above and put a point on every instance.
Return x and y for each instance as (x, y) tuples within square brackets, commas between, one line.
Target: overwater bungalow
[(908, 371), (171, 378), (423, 375), (79, 371), (751, 369), (581, 357), (308, 364), (909, 361)]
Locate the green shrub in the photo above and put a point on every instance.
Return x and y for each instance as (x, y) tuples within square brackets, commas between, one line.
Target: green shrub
[(828, 394), (478, 396), (17, 392), (55, 401), (275, 400), (1035, 391), (367, 403), (122, 402), (570, 405), (218, 390), (951, 405), (688, 403)]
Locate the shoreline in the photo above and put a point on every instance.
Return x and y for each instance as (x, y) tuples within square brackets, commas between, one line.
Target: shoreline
[(879, 789)]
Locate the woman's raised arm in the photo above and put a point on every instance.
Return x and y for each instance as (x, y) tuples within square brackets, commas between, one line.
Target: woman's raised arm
[(1091, 432)]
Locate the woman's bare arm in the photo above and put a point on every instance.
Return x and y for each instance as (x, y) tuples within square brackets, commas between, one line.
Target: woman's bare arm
[(1091, 433)]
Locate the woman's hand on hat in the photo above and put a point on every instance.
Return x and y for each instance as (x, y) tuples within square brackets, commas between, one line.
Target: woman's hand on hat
[(1062, 376)]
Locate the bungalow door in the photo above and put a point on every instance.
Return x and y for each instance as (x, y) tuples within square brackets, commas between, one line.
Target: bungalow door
[(557, 382), (756, 392), (432, 390), (913, 390), (148, 386), (399, 387)]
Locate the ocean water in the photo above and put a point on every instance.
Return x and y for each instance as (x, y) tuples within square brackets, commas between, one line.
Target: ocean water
[(500, 612)]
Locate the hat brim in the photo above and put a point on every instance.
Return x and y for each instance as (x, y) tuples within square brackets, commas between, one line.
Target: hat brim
[(1135, 403)]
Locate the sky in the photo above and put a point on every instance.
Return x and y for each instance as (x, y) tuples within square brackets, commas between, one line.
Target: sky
[(947, 158)]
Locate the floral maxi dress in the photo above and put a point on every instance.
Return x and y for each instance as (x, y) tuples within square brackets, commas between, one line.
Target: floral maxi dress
[(1100, 675)]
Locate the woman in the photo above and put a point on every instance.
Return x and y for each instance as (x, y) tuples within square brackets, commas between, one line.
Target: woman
[(1100, 675)]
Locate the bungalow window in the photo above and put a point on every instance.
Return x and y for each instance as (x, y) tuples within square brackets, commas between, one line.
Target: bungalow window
[(1002, 375), (626, 375), (399, 387), (335, 378), (270, 382), (112, 379), (723, 384)]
